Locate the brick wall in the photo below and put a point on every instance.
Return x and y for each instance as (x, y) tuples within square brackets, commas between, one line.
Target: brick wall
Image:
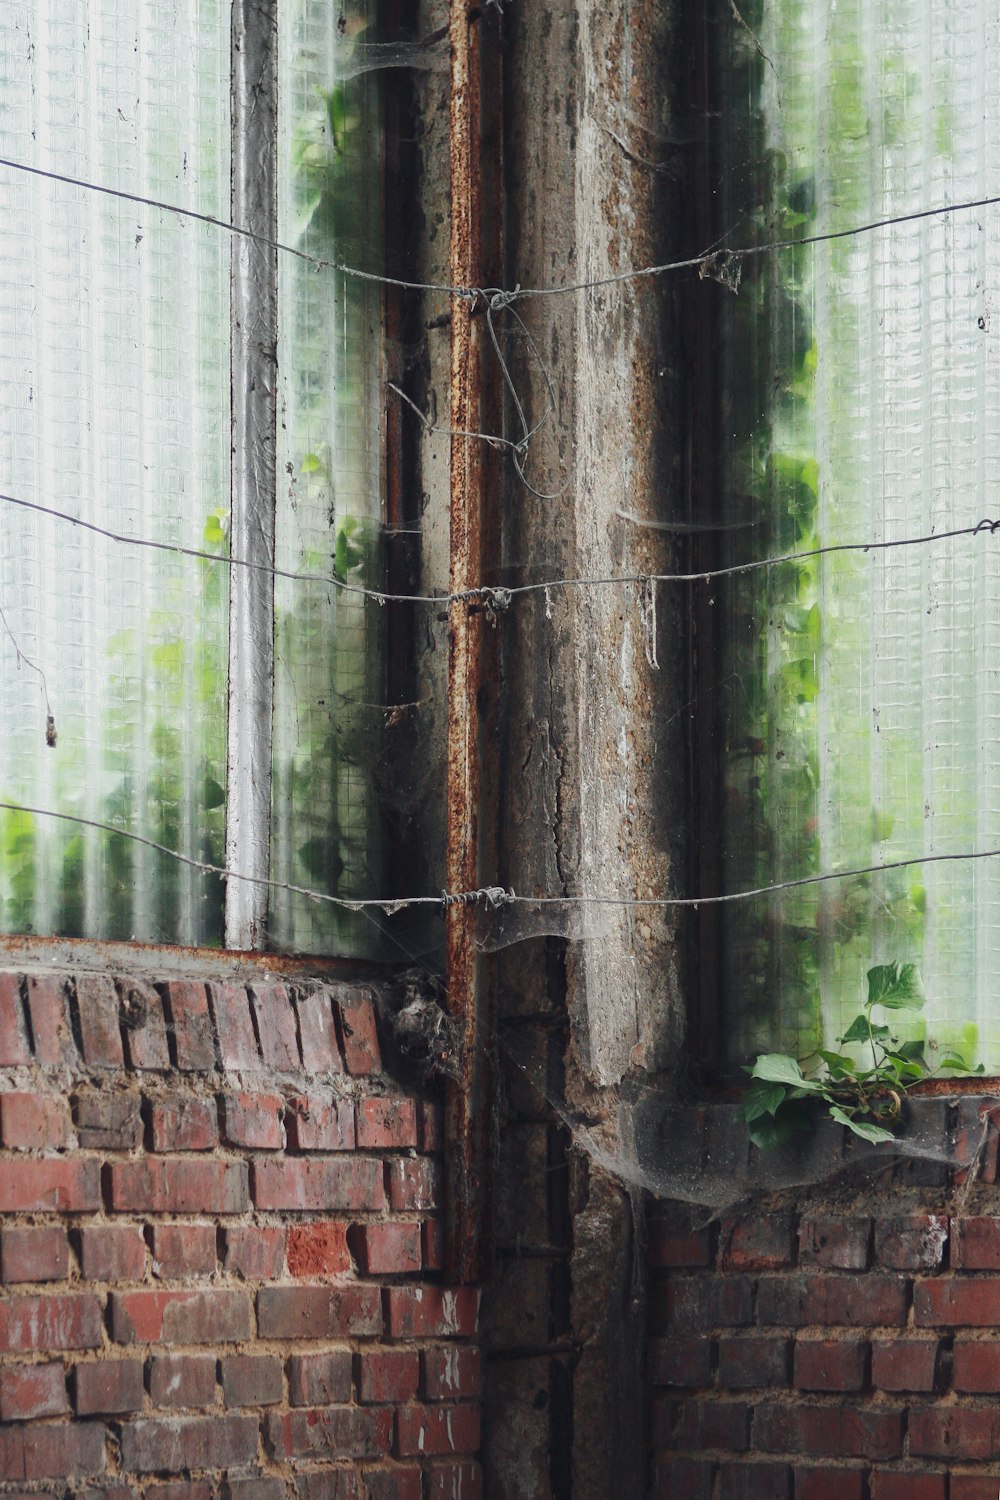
[(220, 1253), (841, 1343)]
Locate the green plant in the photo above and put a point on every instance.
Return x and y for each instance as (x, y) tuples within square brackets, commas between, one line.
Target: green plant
[(864, 1092)]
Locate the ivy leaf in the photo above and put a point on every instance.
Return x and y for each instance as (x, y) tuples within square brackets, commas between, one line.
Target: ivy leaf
[(770, 1131), (858, 1031), (867, 1132), (762, 1098), (895, 986), (778, 1067), (960, 1065), (840, 1065), (911, 1051)]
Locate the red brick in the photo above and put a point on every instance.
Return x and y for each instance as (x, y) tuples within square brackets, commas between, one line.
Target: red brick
[(432, 1244), (112, 1252), (950, 1302), (962, 1433), (462, 1481), (359, 1036), (52, 1452), (760, 1242), (145, 1028), (389, 1375), (829, 1484), (317, 1124), (251, 1380), (319, 1312), (839, 1431), (424, 1430), (911, 1242), (63, 1185), (14, 1048), (414, 1184), (151, 1445), (159, 1184), (973, 1487), (49, 1322), (108, 1121), (196, 1490), (453, 1373), (318, 1249), (385, 1123), (331, 1482), (109, 1386), (754, 1481), (835, 1244), (194, 1041), (255, 1252), (28, 1254), (100, 1031), (388, 1249), (975, 1244), (680, 1361), (886, 1485), (184, 1123), (713, 1424), (430, 1126), (253, 1120), (275, 1018), (183, 1249), (401, 1482), (305, 1184), (252, 1489), (35, 1122), (871, 1301), (682, 1479), (830, 1364), (320, 1051), (237, 1041), (432, 1312), (320, 1379), (904, 1364), (30, 1391), (182, 1380), (700, 1303), (749, 1360), (50, 1024), (180, 1317), (330, 1432), (976, 1365)]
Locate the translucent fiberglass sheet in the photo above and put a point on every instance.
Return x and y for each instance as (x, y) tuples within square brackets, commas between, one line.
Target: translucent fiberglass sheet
[(114, 407), (862, 690)]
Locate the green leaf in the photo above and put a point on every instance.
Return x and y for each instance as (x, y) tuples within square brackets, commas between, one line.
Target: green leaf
[(770, 1131), (867, 1132), (762, 1098), (778, 1067), (311, 464), (213, 795), (895, 986), (839, 1064), (959, 1065), (911, 1051), (860, 1031)]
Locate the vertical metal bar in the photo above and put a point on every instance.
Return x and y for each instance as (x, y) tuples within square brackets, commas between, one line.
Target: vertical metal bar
[(254, 384)]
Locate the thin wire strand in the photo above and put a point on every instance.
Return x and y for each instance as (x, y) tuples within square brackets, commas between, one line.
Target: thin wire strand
[(22, 656)]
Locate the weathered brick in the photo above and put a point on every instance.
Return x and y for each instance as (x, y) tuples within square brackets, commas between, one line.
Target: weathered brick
[(100, 1031), (317, 1124), (683, 1479), (713, 1424), (680, 1361), (14, 1049), (430, 1126), (183, 1249), (194, 1040), (145, 1028), (359, 1036), (307, 1184), (330, 1432), (109, 1386), (437, 1429), (972, 1486), (975, 1243), (432, 1244), (386, 1124), (184, 1490), (112, 1252), (460, 1480), (432, 1312), (331, 1483), (320, 1379), (836, 1483), (700, 1303), (30, 1391), (237, 1041), (69, 1451), (966, 1433), (904, 1364), (108, 1121), (162, 1185), (259, 1488), (182, 1380), (414, 1184), (754, 1481), (760, 1242), (48, 1010), (184, 1123), (276, 1028), (976, 1365), (254, 1121), (830, 1364), (746, 1361), (401, 1482), (835, 1244), (834, 1431), (387, 1249), (832, 1300), (317, 1249), (317, 1030), (950, 1302), (911, 1242), (389, 1375), (169, 1444), (49, 1323), (35, 1122), (34, 1254), (929, 1485), (452, 1373), (251, 1380), (255, 1252), (319, 1312), (180, 1317), (60, 1184)]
